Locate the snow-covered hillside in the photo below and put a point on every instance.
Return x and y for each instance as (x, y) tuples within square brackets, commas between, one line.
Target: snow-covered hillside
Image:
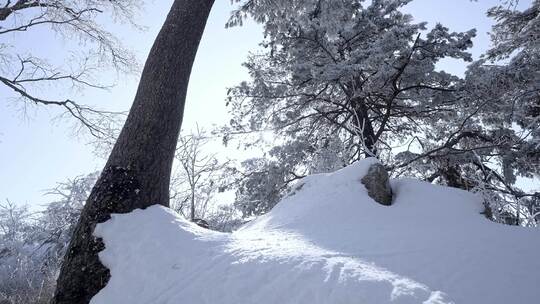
[(327, 242)]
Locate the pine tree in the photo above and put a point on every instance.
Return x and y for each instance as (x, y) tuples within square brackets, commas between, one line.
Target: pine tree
[(344, 80)]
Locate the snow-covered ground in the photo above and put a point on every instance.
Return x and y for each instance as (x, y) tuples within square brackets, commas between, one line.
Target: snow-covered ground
[(328, 242)]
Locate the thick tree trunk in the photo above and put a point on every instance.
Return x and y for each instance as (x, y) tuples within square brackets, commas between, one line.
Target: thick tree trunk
[(138, 171)]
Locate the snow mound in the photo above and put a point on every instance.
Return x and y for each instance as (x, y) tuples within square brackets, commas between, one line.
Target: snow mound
[(327, 242)]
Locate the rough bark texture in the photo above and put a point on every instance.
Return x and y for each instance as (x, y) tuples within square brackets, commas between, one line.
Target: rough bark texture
[(138, 171), (377, 184)]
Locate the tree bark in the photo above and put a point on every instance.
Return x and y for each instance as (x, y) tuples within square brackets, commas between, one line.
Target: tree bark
[(137, 173), (361, 120)]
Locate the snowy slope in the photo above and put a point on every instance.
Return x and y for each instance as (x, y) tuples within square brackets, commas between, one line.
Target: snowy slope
[(327, 243)]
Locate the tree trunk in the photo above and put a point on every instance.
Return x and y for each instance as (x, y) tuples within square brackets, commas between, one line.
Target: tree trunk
[(452, 175), (137, 173), (368, 139), (192, 203)]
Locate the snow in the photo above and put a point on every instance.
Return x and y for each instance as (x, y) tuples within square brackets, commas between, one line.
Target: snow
[(327, 242)]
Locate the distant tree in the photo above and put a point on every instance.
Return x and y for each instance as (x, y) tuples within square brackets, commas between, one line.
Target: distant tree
[(57, 222), (20, 273), (225, 218), (339, 81), (27, 76), (138, 171), (199, 176), (32, 244)]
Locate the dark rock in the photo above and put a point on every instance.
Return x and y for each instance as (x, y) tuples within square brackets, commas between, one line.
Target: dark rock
[(377, 184), (202, 223)]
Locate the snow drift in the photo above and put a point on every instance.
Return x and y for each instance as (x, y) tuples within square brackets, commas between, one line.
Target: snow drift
[(327, 242)]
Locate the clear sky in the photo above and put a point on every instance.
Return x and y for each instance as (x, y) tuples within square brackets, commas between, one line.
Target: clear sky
[(35, 153)]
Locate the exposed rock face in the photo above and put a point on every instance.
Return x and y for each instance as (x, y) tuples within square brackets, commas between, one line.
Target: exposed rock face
[(378, 185)]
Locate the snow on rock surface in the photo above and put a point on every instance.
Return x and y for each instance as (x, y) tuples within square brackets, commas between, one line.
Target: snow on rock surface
[(327, 242)]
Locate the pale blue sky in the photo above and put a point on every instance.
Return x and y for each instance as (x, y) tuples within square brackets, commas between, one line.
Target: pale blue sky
[(35, 154)]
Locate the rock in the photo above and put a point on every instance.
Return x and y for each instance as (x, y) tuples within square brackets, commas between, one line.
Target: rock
[(202, 223), (377, 184)]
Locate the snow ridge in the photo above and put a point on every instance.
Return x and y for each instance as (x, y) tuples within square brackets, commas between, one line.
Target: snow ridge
[(328, 242)]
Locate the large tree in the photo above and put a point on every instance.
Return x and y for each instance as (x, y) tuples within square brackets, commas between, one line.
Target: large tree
[(137, 173), (344, 78), (339, 81)]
